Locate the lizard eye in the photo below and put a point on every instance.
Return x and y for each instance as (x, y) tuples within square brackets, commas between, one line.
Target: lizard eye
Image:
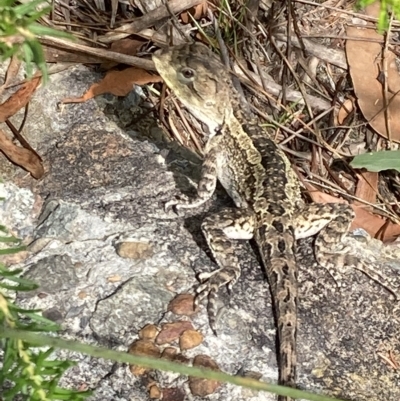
[(187, 74)]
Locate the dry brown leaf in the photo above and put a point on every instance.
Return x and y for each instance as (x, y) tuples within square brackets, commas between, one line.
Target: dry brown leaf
[(365, 62), (371, 223), (345, 109), (196, 12), (367, 187), (17, 134), (21, 156), (12, 72), (119, 83), (18, 99), (127, 46)]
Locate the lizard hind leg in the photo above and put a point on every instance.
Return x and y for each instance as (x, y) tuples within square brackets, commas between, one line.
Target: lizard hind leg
[(335, 249), (222, 230), (331, 222)]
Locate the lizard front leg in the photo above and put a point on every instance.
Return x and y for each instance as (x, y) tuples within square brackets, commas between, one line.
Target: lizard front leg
[(208, 180), (221, 231)]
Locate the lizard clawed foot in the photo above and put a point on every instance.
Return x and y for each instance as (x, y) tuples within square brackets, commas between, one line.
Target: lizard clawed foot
[(212, 306), (174, 204), (211, 282)]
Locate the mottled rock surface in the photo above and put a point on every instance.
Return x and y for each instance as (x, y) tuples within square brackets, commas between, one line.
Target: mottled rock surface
[(109, 259)]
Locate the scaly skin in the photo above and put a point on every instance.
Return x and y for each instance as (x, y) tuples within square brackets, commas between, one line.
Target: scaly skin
[(258, 177)]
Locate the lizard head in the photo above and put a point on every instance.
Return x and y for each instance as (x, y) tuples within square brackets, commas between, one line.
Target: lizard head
[(199, 80)]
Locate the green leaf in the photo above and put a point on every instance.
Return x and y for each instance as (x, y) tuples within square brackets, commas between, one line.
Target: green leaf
[(6, 3), (16, 287), (39, 326), (10, 356), (17, 309), (10, 251), (28, 56), (3, 228), (29, 7), (37, 51), (44, 30), (378, 161), (28, 283), (30, 19), (64, 394), (6, 273), (9, 239), (21, 284)]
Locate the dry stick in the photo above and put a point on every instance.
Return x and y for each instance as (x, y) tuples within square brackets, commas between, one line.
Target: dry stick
[(316, 131), (184, 121), (331, 56), (288, 53), (347, 37), (229, 66), (250, 16), (333, 187), (296, 78), (105, 54), (273, 87), (149, 19), (385, 82), (276, 90), (312, 100), (342, 11)]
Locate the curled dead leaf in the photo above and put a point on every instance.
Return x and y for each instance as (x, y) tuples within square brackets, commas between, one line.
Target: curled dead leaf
[(119, 83), (25, 158), (12, 71), (345, 109), (18, 99)]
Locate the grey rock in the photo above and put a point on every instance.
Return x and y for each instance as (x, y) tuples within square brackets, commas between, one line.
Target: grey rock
[(103, 188), (53, 274), (127, 311), (53, 314)]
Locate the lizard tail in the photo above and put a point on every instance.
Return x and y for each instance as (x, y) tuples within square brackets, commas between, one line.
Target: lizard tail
[(285, 304), (280, 265)]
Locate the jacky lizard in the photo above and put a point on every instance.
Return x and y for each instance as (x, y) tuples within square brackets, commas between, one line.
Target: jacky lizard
[(258, 177)]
